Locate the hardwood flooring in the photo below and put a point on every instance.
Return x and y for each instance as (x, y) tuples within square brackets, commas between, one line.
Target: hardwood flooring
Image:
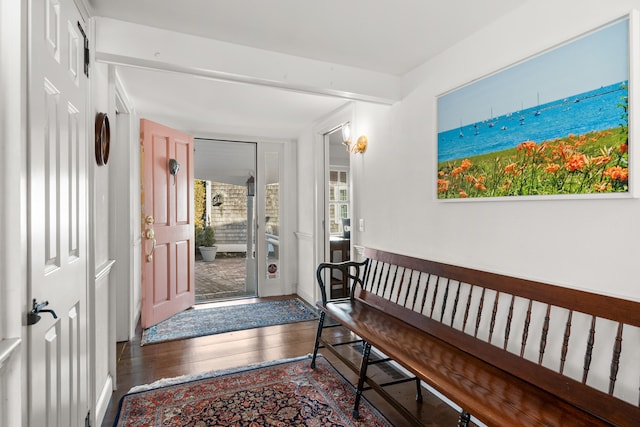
[(141, 365)]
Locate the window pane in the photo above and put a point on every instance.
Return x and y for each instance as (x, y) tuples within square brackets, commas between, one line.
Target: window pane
[(272, 221), (338, 192)]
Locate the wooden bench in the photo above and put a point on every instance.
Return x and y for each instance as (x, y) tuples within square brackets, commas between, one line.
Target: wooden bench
[(508, 351)]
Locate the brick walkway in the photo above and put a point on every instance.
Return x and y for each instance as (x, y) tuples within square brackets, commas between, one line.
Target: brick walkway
[(223, 278)]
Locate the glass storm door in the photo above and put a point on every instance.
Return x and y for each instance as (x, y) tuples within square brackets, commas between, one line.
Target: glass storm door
[(272, 242)]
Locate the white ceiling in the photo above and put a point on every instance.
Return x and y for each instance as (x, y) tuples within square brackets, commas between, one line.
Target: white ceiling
[(387, 36)]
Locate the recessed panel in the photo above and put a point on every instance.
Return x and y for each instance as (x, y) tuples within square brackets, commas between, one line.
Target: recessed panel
[(52, 27), (161, 273), (74, 377), (183, 275), (52, 367), (74, 52), (182, 184), (73, 169), (159, 175), (51, 208)]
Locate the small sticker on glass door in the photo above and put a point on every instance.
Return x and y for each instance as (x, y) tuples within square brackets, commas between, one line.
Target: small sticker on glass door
[(272, 271)]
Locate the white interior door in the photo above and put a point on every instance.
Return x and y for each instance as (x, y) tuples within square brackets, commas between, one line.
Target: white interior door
[(57, 225)]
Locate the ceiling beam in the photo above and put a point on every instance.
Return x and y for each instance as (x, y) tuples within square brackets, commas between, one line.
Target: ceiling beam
[(125, 43)]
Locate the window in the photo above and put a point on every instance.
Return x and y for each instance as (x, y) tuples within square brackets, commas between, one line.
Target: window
[(338, 200)]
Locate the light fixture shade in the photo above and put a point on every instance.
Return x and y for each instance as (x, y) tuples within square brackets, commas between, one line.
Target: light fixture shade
[(346, 132)]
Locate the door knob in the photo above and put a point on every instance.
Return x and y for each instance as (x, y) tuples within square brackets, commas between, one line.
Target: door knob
[(33, 317), (149, 234)]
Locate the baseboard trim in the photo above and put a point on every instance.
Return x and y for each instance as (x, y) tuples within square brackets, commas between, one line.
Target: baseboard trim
[(102, 403)]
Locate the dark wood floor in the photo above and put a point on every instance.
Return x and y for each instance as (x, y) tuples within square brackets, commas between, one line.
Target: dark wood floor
[(141, 365)]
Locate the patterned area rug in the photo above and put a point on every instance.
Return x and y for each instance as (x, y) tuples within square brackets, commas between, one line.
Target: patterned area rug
[(199, 322), (284, 393)]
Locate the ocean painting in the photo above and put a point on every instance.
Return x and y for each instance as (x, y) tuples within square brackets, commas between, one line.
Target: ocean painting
[(552, 125)]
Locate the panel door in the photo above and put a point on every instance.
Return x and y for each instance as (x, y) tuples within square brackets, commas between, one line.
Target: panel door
[(167, 223), (57, 205)]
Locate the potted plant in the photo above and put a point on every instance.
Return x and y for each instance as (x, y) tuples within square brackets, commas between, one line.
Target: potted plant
[(205, 241)]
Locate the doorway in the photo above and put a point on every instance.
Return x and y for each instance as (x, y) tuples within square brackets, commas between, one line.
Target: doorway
[(338, 209), (224, 192)]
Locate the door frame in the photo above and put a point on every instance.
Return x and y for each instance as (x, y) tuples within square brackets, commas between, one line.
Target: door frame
[(344, 114), (13, 231), (124, 185)]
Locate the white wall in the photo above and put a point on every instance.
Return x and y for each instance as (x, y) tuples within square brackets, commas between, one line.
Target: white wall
[(306, 217), (587, 244)]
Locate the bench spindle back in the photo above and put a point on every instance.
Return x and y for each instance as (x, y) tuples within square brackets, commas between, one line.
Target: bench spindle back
[(581, 346)]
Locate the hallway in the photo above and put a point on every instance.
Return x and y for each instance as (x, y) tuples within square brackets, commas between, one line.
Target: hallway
[(144, 364)]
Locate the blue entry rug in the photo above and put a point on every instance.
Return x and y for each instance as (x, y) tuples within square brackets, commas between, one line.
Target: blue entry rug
[(209, 321)]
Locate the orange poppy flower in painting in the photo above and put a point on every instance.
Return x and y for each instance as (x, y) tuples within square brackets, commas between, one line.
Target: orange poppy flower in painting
[(624, 148), (466, 164), (617, 173), (552, 167), (527, 145), (463, 194), (512, 167), (443, 185), (576, 162)]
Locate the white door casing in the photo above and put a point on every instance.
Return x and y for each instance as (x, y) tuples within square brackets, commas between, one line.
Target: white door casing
[(57, 215)]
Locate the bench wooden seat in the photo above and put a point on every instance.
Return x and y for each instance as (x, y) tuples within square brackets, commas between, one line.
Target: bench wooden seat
[(508, 351)]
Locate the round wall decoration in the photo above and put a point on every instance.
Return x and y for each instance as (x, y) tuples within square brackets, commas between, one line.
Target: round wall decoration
[(103, 135)]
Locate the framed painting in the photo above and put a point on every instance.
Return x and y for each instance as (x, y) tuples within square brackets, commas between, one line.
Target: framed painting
[(555, 124)]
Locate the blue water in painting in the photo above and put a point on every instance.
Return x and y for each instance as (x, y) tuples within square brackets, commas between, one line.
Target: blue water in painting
[(595, 110)]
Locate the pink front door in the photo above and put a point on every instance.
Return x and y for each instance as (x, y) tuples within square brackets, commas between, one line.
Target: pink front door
[(167, 222)]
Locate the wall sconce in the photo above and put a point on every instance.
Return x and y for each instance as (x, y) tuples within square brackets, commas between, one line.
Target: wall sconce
[(251, 186), (360, 145)]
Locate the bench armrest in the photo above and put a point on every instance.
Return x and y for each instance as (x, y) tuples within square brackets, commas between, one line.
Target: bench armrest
[(354, 271)]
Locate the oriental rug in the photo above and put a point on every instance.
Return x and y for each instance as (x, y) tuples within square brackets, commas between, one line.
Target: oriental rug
[(282, 393), (209, 321)]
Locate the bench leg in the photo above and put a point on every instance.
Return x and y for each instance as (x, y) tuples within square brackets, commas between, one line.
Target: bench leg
[(464, 418), (363, 375), (318, 335), (418, 390)]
